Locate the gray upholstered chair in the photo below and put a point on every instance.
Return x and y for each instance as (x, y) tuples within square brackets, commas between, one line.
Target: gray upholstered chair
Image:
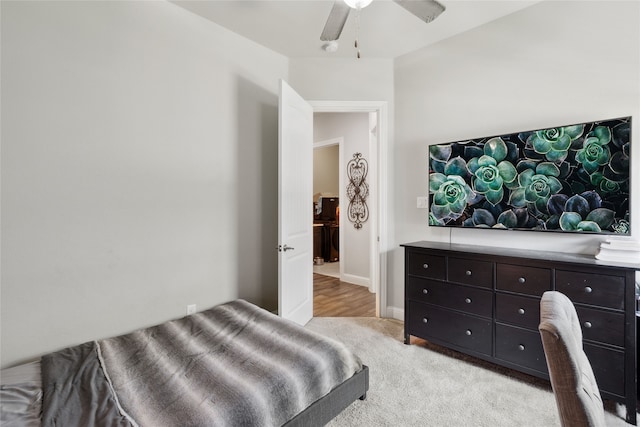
[(574, 385)]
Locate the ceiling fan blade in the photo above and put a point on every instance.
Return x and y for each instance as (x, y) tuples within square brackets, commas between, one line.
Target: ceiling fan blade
[(335, 22), (426, 10)]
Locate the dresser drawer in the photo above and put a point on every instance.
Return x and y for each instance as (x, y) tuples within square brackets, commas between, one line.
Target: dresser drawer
[(425, 265), (593, 289), (608, 368), (523, 280), (602, 326), (518, 310), (462, 298), (520, 346), (458, 329), (471, 272)]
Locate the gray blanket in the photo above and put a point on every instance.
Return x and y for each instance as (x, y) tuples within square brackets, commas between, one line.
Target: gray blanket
[(75, 391), (233, 365)]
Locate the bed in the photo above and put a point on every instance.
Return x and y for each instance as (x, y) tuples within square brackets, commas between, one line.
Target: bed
[(234, 364)]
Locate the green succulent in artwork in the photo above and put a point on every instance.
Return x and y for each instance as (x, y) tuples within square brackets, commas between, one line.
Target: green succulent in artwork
[(536, 186), (572, 221), (433, 220), (438, 157), (554, 143), (450, 196), (621, 227), (483, 218), (491, 173), (604, 184), (579, 215), (571, 178), (596, 221), (594, 152)]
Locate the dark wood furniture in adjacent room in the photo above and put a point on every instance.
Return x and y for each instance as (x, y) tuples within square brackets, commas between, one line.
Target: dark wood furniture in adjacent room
[(485, 301), (326, 231), (332, 243), (318, 241), (326, 240)]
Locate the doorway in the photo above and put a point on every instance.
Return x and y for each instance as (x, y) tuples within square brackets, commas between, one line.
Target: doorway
[(347, 281), (295, 298)]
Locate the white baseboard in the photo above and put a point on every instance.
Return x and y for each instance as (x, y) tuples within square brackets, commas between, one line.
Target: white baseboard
[(395, 313), (355, 280)]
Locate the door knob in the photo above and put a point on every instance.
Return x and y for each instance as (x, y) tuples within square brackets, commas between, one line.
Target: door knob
[(284, 248)]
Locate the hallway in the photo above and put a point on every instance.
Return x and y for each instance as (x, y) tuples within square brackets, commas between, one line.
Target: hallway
[(333, 298)]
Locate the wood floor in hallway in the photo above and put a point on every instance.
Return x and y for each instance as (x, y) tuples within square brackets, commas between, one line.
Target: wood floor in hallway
[(333, 298)]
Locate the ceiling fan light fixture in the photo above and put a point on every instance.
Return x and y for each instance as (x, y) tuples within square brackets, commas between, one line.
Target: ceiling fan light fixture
[(330, 47), (358, 4)]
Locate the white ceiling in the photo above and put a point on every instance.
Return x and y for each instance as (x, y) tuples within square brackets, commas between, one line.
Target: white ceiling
[(293, 27)]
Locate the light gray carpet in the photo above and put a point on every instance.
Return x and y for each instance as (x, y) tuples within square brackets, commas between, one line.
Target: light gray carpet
[(430, 386)]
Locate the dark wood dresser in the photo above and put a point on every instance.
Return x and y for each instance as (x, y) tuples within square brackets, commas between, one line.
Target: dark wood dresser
[(485, 302)]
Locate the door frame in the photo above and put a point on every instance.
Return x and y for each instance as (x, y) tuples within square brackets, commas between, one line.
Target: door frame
[(378, 188)]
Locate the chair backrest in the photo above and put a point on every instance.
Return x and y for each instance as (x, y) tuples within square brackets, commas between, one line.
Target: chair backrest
[(574, 385)]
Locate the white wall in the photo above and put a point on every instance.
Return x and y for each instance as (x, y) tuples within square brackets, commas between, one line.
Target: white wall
[(325, 170), (552, 64), (355, 243), (139, 170), (342, 79)]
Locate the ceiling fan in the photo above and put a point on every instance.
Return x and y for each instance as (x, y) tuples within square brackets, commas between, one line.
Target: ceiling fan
[(426, 10)]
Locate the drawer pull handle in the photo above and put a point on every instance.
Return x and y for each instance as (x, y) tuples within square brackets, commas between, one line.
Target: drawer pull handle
[(468, 332), (521, 347), (467, 300), (425, 291), (587, 325), (588, 289), (522, 280), (521, 311), (425, 266), (468, 272), (425, 320)]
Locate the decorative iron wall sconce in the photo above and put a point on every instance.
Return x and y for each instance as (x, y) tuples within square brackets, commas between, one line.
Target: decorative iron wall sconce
[(357, 191)]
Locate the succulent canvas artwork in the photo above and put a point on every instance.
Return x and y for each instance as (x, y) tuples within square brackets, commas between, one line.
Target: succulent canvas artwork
[(571, 178)]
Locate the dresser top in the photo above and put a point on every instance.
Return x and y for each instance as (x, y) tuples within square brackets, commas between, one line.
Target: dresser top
[(521, 253)]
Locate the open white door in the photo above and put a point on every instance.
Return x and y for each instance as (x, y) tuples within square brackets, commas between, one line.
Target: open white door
[(295, 213)]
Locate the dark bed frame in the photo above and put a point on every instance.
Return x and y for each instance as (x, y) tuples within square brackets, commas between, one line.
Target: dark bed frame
[(328, 407)]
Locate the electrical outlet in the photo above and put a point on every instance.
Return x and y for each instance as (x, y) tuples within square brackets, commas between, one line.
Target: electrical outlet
[(422, 202), (191, 308)]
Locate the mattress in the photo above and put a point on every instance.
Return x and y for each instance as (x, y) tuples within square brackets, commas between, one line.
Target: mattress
[(21, 395), (234, 364)]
